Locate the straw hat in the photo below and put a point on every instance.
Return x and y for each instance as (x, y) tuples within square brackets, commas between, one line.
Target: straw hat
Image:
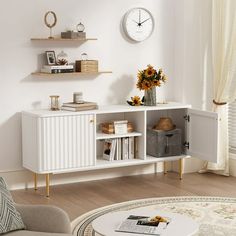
[(165, 124)]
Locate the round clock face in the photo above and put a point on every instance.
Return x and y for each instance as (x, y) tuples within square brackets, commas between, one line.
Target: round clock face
[(138, 24)]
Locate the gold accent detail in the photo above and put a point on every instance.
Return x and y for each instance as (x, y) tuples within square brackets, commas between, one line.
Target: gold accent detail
[(35, 182), (47, 185), (181, 168)]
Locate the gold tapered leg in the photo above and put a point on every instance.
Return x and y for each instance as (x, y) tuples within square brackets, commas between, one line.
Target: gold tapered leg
[(47, 185), (165, 167), (35, 181), (181, 168)]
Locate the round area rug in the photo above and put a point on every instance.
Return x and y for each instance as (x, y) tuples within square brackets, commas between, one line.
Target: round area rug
[(215, 215)]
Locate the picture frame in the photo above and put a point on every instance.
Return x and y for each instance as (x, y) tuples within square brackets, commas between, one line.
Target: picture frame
[(51, 57), (109, 149)]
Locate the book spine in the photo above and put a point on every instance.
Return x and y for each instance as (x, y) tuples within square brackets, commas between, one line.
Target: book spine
[(131, 147), (58, 67), (125, 148), (120, 149)]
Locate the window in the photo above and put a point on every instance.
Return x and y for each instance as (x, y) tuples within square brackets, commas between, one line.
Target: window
[(232, 127)]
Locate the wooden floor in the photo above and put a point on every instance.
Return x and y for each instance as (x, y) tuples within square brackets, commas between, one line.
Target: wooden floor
[(79, 198)]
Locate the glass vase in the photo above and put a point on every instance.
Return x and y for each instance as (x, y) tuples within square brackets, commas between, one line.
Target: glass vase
[(150, 97)]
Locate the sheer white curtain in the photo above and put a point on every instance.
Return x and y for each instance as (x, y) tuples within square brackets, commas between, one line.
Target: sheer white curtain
[(224, 72)]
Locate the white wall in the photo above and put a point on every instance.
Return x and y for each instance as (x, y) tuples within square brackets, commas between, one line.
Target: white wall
[(22, 20)]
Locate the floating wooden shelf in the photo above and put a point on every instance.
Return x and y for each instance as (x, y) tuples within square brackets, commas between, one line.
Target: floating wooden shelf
[(62, 40), (41, 74)]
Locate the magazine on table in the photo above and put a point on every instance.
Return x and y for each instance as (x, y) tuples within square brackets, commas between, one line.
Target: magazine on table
[(145, 225)]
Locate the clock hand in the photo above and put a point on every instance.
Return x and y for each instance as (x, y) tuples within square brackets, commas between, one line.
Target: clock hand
[(139, 17), (144, 21)]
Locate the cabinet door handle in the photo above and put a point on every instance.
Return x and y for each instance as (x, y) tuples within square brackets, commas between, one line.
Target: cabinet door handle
[(91, 121)]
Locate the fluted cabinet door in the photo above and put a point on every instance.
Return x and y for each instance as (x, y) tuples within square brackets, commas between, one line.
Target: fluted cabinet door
[(66, 142)]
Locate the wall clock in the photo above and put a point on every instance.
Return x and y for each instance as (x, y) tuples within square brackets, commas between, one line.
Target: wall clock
[(138, 24)]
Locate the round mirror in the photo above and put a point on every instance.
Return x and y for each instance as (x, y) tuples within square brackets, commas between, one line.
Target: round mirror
[(50, 20)]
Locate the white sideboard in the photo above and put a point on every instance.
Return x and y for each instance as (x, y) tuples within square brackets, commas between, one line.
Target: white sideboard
[(61, 141)]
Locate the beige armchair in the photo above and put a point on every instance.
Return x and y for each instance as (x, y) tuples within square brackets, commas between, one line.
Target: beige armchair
[(43, 220)]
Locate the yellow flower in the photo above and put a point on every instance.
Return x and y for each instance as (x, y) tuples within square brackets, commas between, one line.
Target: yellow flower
[(149, 72), (136, 101)]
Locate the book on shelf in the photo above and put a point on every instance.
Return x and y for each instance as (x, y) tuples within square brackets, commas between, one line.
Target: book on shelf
[(144, 225), (76, 105), (70, 106), (125, 148), (131, 147), (117, 149), (57, 69)]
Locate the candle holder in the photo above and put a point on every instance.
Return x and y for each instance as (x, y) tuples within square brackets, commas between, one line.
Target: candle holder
[(55, 102), (78, 97)]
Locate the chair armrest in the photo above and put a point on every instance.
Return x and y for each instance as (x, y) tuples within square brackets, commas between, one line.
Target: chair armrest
[(44, 218)]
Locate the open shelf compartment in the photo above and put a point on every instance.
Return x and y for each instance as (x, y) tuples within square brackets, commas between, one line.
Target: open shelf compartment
[(177, 116), (138, 120)]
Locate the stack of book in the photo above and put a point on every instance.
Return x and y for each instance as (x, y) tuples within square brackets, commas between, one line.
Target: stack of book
[(71, 106), (55, 69), (119, 149)]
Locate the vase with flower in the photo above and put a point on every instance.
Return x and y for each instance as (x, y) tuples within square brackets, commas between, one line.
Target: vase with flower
[(148, 80)]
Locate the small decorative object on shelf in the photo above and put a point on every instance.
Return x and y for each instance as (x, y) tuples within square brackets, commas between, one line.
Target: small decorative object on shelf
[(70, 34), (62, 58), (164, 139), (80, 27), (109, 149), (51, 57), (148, 80), (84, 56), (86, 65), (121, 127), (165, 124), (55, 102), (50, 20), (135, 101), (78, 97)]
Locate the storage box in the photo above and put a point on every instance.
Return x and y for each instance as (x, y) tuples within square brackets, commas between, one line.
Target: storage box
[(164, 143), (108, 128), (86, 66), (73, 35)]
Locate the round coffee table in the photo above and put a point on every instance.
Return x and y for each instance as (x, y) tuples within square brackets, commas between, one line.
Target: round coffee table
[(180, 225)]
